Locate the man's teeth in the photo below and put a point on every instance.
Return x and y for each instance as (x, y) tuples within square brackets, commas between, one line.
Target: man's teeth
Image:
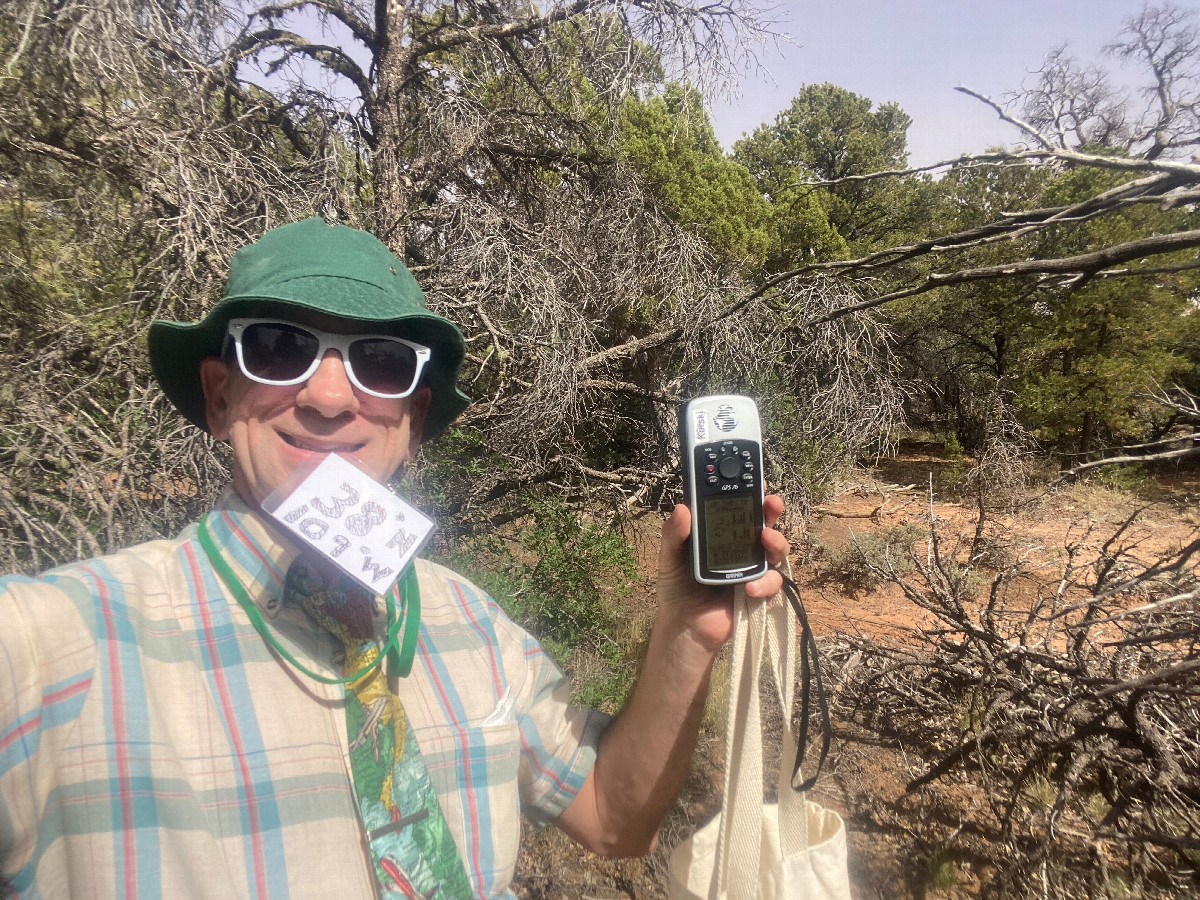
[(320, 447)]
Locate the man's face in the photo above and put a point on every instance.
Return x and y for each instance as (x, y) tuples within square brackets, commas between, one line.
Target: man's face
[(277, 431)]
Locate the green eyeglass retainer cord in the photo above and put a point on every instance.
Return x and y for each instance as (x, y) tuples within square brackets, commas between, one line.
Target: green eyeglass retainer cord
[(398, 652)]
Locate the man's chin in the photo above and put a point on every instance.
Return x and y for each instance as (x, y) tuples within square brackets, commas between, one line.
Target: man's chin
[(292, 480), (268, 493)]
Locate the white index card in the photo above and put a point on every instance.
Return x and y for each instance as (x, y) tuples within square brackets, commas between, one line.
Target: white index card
[(355, 522)]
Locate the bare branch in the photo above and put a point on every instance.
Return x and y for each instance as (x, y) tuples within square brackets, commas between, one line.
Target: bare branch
[(1077, 470), (1073, 267), (449, 35), (1048, 705), (356, 24), (291, 44), (1166, 40), (1025, 127)]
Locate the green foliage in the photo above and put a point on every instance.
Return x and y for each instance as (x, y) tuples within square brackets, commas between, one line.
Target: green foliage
[(569, 583), (952, 448), (958, 341), (829, 133), (75, 424), (670, 141), (1081, 357), (1103, 345), (942, 872), (1131, 478), (447, 468), (564, 580), (609, 687), (555, 107), (813, 460)]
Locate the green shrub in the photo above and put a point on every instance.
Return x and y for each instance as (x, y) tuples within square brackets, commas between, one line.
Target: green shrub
[(603, 680), (564, 580), (445, 474), (942, 872), (1132, 478), (865, 562)]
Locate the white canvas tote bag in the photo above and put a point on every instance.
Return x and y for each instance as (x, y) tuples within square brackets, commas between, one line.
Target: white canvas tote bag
[(791, 850)]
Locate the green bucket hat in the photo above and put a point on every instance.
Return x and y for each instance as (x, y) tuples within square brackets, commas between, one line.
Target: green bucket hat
[(306, 271)]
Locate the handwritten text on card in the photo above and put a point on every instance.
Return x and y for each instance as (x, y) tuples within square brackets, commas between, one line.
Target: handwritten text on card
[(356, 522)]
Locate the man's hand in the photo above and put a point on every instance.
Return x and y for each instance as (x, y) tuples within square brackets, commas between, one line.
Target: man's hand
[(644, 755), (707, 610)]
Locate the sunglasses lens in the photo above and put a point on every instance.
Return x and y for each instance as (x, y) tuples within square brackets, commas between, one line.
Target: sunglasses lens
[(277, 352), (387, 367)]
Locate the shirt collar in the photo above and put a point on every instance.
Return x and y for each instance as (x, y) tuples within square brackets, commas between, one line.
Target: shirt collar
[(257, 550)]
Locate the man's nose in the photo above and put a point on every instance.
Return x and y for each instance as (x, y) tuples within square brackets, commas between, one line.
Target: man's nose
[(328, 390)]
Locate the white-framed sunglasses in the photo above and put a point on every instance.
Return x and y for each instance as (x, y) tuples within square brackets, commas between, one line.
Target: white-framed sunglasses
[(271, 351)]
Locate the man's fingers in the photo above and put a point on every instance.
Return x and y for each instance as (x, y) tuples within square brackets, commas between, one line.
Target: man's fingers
[(774, 542), (776, 545), (767, 586), (772, 509)]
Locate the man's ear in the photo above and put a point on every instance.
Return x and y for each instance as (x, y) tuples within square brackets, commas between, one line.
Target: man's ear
[(418, 406), (214, 380)]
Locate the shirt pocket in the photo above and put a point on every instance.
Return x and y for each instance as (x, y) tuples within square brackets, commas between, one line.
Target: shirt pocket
[(474, 771)]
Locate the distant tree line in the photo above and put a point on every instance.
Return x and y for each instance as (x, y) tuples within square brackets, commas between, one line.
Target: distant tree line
[(1062, 271)]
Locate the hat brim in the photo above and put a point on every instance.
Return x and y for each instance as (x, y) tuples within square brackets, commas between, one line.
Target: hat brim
[(177, 348)]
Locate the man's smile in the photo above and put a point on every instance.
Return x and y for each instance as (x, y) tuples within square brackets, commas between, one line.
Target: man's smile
[(315, 445)]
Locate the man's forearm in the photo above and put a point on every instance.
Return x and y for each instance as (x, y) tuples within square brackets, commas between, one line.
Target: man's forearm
[(645, 753)]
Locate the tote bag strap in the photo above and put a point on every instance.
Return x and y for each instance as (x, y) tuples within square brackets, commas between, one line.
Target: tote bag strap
[(781, 645), (736, 872), (759, 626)]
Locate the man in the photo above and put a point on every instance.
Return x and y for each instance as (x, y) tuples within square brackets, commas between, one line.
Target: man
[(189, 717)]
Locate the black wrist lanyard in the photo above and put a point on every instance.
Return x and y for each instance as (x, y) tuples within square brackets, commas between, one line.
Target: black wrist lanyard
[(810, 675)]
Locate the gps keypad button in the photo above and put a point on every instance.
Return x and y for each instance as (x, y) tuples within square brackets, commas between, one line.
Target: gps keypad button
[(730, 467)]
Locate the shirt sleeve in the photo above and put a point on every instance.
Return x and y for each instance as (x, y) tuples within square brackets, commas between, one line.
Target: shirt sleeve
[(47, 660), (558, 740)]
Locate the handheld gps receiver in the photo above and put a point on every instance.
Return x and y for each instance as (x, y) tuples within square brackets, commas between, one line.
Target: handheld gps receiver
[(720, 450)]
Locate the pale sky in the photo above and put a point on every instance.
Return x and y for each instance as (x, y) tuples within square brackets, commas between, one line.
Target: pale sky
[(915, 52)]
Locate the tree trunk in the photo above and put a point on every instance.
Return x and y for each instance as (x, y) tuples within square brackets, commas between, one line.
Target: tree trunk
[(395, 66)]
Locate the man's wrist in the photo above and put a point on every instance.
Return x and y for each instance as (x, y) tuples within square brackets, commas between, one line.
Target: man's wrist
[(683, 635)]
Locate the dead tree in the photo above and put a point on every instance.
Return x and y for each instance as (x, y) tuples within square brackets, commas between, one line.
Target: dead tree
[(141, 144), (1062, 696), (1000, 474), (128, 176)]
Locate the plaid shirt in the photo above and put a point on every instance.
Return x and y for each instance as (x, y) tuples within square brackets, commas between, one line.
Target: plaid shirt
[(151, 743)]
